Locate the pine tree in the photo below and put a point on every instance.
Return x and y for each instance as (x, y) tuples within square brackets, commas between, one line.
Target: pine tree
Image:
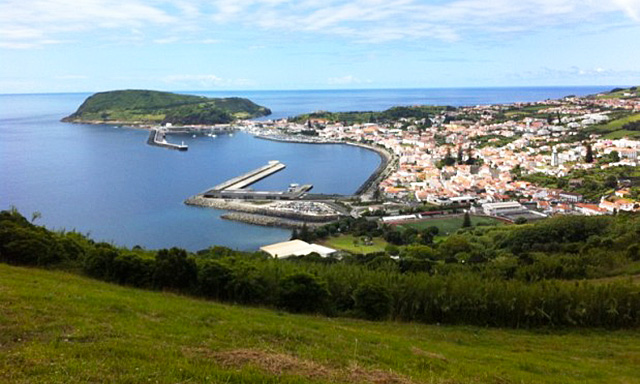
[(589, 156), (466, 223)]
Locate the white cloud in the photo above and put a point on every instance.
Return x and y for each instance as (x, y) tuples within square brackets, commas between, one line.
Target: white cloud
[(71, 77), (167, 40), (346, 80), (205, 81), (28, 23), (576, 73)]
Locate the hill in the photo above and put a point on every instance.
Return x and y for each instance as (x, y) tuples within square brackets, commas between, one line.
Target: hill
[(144, 107), (58, 327)]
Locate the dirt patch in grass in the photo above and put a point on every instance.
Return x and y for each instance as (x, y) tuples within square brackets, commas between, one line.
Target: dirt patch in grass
[(284, 364), (431, 355)]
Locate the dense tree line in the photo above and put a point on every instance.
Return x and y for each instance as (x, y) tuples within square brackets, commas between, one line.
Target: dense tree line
[(517, 276)]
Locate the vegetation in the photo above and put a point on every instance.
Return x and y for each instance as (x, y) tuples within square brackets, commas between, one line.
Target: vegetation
[(530, 275), (389, 115), (591, 183), (356, 245), (56, 327), (448, 225), (618, 127), (141, 106)]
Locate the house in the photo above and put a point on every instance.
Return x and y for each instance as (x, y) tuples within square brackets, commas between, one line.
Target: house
[(570, 196), (590, 209)]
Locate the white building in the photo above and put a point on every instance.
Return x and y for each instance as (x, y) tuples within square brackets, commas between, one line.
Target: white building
[(296, 248), (496, 209)]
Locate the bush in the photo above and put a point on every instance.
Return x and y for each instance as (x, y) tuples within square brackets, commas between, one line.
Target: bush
[(247, 285), (132, 269), (372, 301), (302, 292), (213, 279), (174, 269), (99, 261)]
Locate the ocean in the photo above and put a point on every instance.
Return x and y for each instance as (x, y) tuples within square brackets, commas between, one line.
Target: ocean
[(105, 181)]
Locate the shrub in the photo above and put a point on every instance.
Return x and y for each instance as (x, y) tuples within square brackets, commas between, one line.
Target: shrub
[(174, 269), (302, 292), (132, 269), (213, 279), (99, 261), (372, 301)]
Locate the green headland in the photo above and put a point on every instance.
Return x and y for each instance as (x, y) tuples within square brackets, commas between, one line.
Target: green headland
[(137, 107)]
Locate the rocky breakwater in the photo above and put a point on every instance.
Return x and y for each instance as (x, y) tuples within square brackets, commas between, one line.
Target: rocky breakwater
[(288, 214)]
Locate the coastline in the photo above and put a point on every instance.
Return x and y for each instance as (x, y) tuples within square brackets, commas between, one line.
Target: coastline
[(387, 159)]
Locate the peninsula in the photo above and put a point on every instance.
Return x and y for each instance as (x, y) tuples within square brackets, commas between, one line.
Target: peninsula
[(144, 107)]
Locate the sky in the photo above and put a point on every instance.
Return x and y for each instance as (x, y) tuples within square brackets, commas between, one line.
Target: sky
[(97, 45)]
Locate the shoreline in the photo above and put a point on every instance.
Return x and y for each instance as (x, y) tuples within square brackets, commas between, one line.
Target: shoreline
[(387, 159)]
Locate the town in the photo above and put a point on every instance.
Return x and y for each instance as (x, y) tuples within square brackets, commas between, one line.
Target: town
[(574, 155)]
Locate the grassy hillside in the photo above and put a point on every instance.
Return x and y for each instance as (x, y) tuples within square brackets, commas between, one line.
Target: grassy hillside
[(60, 328), (142, 106)]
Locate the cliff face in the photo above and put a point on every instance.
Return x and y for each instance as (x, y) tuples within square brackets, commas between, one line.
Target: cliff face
[(153, 107)]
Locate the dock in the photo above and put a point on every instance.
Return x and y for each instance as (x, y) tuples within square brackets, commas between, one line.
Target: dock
[(236, 188), (157, 137), (251, 177)]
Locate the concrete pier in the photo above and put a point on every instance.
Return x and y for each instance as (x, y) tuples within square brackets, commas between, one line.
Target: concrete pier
[(157, 137), (251, 177), (235, 188)]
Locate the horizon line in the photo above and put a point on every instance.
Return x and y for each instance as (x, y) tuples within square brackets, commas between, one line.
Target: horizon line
[(323, 89)]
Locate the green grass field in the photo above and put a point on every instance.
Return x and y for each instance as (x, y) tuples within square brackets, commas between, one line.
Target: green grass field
[(612, 130), (355, 244), (60, 328), (450, 225)]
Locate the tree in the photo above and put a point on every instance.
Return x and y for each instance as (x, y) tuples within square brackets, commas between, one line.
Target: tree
[(213, 279), (521, 220), (611, 181), (372, 301), (35, 216), (448, 159), (589, 156), (460, 155), (615, 156), (302, 292), (174, 269), (466, 222), (294, 234)]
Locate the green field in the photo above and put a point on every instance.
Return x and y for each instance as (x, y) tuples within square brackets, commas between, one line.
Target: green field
[(613, 129), (450, 225), (355, 244), (60, 328)]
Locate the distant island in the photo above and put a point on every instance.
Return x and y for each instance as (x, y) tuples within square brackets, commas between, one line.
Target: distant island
[(143, 107)]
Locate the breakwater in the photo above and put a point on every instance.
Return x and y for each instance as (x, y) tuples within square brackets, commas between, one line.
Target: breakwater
[(157, 137), (268, 221), (262, 209)]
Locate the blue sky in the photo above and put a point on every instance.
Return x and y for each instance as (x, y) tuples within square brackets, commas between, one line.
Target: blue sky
[(93, 45)]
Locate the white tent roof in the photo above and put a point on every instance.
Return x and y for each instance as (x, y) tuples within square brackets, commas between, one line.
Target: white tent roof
[(296, 248)]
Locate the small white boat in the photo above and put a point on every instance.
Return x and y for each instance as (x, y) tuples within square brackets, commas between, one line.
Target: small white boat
[(194, 136)]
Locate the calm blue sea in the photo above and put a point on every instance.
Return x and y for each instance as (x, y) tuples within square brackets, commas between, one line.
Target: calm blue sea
[(107, 182)]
